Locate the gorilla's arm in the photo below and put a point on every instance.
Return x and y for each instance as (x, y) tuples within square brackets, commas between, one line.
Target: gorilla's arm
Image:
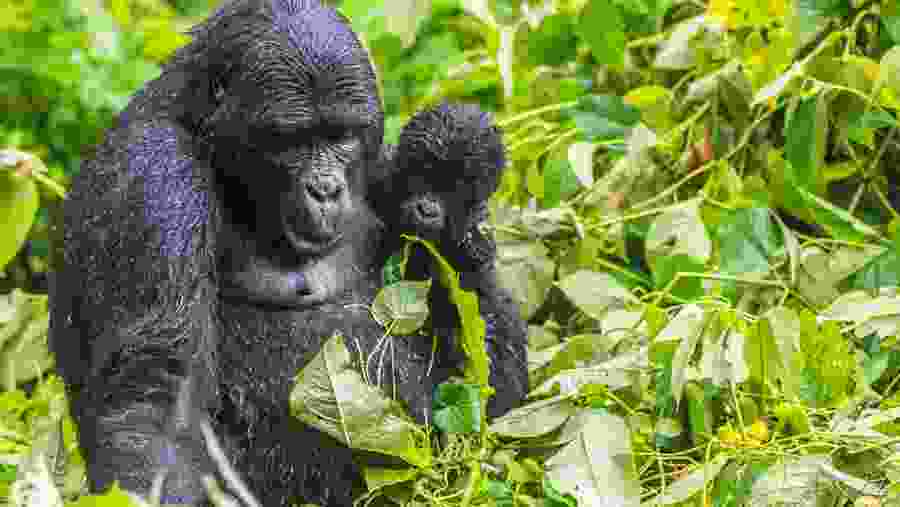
[(131, 315)]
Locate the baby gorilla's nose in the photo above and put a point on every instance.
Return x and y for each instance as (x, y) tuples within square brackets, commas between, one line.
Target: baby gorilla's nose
[(428, 209), (325, 187)]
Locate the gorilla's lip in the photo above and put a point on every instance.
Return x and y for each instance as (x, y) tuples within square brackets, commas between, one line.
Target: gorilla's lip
[(240, 296), (307, 245)]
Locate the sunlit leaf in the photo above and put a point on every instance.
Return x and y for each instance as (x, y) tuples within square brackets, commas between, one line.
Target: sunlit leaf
[(602, 117), (457, 408), (601, 24), (594, 293), (402, 307), (554, 42), (596, 468), (18, 208), (330, 395)]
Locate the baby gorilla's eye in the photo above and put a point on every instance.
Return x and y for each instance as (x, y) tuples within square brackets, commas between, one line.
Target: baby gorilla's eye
[(333, 134), (342, 139)]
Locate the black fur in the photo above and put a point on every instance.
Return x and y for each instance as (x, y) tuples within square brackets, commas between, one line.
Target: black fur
[(219, 236), (438, 179)]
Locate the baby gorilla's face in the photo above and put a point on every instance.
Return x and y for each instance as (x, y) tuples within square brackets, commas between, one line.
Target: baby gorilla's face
[(456, 225), (449, 162)]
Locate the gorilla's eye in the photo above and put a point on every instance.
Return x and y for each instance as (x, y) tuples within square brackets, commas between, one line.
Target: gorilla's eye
[(342, 139), (334, 134)]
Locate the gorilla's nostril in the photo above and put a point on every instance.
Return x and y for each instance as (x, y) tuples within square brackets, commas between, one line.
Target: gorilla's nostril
[(427, 208), (325, 188)]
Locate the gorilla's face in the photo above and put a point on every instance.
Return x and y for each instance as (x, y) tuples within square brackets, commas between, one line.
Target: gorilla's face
[(297, 119), (451, 159), (453, 221)]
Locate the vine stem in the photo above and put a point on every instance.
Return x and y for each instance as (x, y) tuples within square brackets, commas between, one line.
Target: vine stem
[(536, 112)]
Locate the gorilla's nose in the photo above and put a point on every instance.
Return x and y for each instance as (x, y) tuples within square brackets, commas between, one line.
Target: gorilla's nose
[(428, 209), (324, 188)]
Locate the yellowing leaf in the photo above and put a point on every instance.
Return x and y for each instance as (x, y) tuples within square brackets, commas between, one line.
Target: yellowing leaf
[(724, 10), (778, 8)]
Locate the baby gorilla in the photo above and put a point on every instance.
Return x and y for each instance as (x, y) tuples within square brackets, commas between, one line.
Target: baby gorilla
[(443, 171)]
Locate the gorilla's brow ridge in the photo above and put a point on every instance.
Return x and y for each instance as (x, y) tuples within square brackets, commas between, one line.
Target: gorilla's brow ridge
[(326, 41)]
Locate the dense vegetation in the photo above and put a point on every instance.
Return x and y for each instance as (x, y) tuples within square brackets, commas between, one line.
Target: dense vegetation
[(701, 223)]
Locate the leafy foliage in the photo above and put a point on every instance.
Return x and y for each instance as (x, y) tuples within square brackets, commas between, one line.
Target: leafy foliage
[(700, 222)]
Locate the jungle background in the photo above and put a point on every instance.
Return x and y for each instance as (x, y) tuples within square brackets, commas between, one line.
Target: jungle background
[(699, 221)]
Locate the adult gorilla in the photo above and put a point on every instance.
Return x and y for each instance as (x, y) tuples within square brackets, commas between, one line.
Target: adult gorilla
[(220, 236)]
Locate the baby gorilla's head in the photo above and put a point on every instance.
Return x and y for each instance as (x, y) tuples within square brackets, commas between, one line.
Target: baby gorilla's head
[(448, 163)]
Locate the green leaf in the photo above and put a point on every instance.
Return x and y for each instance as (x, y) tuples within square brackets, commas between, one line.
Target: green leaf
[(700, 414), (889, 76), (838, 221), (525, 268), (690, 485), (553, 498), (18, 208), (554, 43), (880, 271), (392, 272), (666, 268), (457, 408), (577, 351), (602, 26), (330, 395), (810, 15), (114, 497), (506, 11), (604, 117), (380, 477), (862, 123), (402, 307), (830, 365), (596, 467), (560, 182), (535, 419), (581, 160), (680, 230), (767, 362), (747, 240), (805, 139), (594, 293), (472, 332), (500, 492), (875, 365), (892, 26), (26, 356)]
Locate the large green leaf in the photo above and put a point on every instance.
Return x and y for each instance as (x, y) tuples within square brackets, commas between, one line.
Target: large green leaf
[(602, 26), (601, 117), (331, 396), (18, 208), (554, 43)]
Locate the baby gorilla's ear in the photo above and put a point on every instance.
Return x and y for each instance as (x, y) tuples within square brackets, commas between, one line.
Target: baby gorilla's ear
[(477, 250)]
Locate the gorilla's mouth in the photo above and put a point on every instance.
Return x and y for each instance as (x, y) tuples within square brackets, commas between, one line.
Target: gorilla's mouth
[(306, 243), (315, 213)]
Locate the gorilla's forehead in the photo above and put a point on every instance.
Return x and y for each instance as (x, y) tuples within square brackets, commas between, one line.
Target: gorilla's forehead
[(318, 33), (337, 62)]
